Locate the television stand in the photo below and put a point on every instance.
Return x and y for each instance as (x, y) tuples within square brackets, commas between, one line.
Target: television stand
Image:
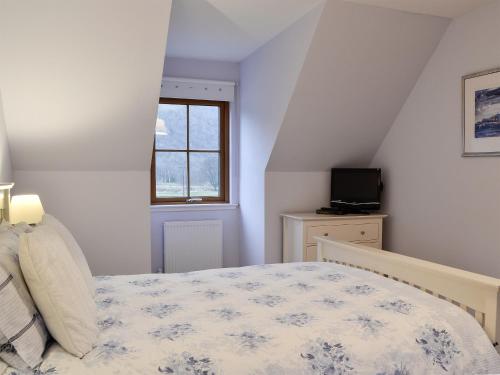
[(332, 211), (301, 229)]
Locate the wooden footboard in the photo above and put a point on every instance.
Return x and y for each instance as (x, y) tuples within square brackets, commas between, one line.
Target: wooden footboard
[(477, 294)]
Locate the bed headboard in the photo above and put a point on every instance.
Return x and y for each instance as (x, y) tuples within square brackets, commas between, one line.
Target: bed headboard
[(5, 189), (477, 294)]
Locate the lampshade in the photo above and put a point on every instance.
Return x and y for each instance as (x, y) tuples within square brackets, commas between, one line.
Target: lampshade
[(161, 128), (26, 208)]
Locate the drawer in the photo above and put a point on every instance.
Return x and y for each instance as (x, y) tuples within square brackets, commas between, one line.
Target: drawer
[(345, 232), (311, 254)]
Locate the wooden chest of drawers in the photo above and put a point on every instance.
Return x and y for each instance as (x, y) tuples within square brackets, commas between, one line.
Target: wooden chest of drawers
[(299, 231)]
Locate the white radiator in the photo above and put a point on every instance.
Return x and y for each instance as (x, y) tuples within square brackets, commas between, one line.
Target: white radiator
[(192, 245)]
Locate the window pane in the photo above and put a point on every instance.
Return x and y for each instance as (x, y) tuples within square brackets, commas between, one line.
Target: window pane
[(204, 127), (171, 174), (205, 174), (171, 127)]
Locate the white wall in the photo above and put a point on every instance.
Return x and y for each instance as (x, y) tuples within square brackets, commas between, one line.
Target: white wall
[(361, 66), (268, 78), (212, 70), (80, 84), (348, 94), (443, 207), (80, 81), (5, 163), (291, 192), (107, 212)]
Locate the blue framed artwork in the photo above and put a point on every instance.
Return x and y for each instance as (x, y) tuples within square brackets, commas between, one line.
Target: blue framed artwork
[(481, 113)]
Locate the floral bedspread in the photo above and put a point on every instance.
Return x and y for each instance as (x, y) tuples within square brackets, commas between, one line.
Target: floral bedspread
[(302, 318)]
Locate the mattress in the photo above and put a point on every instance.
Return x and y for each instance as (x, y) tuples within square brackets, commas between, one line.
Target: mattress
[(302, 318)]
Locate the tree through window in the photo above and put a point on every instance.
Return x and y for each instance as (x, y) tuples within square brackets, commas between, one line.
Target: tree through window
[(189, 162)]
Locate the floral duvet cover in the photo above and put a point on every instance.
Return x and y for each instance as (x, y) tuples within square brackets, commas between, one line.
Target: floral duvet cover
[(300, 318)]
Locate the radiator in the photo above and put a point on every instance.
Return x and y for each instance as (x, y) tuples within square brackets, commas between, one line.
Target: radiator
[(192, 245)]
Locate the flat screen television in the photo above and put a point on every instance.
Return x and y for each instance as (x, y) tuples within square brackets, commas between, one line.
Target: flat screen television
[(356, 189)]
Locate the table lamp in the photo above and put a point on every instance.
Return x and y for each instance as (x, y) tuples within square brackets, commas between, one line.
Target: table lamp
[(26, 208)]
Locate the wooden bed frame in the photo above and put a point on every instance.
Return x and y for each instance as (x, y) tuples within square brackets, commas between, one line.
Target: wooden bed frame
[(477, 294)]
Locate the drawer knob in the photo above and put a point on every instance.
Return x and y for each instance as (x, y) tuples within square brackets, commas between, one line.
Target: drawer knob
[(326, 235), (363, 232)]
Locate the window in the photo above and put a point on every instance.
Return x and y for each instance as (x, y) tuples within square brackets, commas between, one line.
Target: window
[(190, 161)]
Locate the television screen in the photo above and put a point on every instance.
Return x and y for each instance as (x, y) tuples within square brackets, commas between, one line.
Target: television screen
[(356, 187)]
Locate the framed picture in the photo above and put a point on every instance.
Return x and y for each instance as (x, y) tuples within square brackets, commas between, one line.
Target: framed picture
[(481, 113)]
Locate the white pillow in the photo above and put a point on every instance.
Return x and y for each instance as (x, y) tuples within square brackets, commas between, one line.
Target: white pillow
[(59, 290), (75, 250)]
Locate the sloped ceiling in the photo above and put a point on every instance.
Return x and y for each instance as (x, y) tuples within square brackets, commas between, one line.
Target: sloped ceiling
[(229, 30), (268, 78), (361, 66), (442, 8), (80, 81)]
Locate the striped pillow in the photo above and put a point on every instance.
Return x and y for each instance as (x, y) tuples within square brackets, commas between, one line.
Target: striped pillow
[(23, 335)]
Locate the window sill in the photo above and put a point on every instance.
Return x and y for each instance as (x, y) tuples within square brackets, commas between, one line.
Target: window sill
[(193, 207)]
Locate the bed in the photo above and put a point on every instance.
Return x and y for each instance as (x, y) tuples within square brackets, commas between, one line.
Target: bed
[(297, 318)]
